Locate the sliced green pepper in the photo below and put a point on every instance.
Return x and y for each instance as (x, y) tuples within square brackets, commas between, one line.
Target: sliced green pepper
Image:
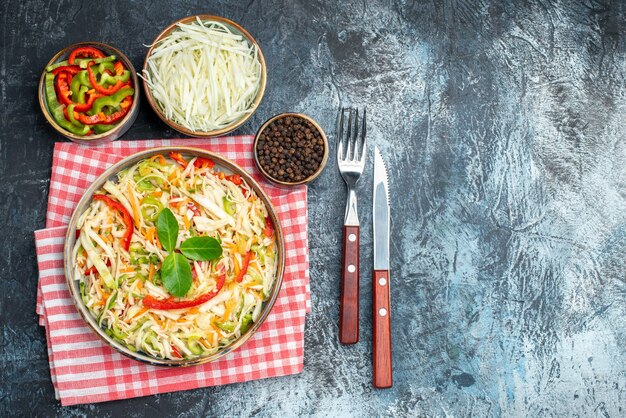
[(113, 100), (226, 326), (118, 333), (56, 109), (246, 323), (194, 345), (83, 62), (83, 294), (145, 186), (150, 206), (75, 88), (106, 65), (138, 255), (70, 114), (83, 78), (112, 79), (100, 129), (57, 65), (81, 94), (111, 301), (229, 207)]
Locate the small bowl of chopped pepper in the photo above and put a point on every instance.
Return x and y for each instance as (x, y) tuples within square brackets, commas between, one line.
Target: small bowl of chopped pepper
[(88, 93), (291, 149)]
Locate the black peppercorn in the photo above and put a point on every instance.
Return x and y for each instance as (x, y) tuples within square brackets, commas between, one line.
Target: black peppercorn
[(290, 149)]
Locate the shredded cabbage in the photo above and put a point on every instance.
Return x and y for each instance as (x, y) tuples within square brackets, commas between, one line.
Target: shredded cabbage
[(204, 76)]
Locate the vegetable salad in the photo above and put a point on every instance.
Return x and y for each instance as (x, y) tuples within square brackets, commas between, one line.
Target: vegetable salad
[(175, 258)]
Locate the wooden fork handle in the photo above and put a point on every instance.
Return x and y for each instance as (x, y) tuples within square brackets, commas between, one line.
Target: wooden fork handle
[(383, 375), (349, 307)]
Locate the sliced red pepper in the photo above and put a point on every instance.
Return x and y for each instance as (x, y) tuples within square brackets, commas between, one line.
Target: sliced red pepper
[(67, 116), (167, 304), (203, 162), (126, 216), (175, 352), (83, 107), (115, 117), (178, 158), (269, 228), (244, 267), (101, 118), (93, 269), (103, 90), (92, 119), (63, 88), (70, 69), (85, 51), (235, 179)]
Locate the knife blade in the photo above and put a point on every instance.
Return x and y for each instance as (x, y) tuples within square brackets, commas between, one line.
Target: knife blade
[(382, 359)]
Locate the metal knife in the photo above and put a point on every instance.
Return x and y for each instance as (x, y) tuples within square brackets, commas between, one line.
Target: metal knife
[(382, 305)]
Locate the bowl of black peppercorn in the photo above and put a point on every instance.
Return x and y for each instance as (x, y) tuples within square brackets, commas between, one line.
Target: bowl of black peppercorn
[(290, 149)]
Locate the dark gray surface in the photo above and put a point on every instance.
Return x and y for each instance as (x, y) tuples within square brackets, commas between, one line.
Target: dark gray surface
[(503, 129)]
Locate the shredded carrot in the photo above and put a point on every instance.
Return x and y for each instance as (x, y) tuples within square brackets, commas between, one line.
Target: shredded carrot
[(149, 236), (226, 313), (127, 269), (193, 310), (156, 319), (159, 157), (105, 297), (151, 274), (157, 193), (139, 284), (221, 175), (141, 312), (186, 220), (236, 266), (217, 330), (133, 204), (91, 91)]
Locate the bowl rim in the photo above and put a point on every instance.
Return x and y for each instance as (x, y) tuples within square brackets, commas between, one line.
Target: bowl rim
[(255, 103), (324, 158), (92, 138), (70, 240)]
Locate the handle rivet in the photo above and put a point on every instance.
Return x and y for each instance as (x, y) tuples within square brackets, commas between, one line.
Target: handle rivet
[(352, 237), (382, 312), (351, 268), (382, 281)]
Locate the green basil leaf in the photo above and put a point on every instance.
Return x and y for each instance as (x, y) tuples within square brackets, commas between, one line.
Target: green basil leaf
[(167, 229), (176, 274), (201, 248)]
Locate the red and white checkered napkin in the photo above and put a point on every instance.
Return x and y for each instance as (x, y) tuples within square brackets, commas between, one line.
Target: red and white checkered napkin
[(86, 370)]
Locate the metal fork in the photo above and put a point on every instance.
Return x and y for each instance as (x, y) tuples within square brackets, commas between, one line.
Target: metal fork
[(351, 164)]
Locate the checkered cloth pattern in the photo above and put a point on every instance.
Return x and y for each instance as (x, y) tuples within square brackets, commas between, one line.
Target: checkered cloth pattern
[(86, 370)]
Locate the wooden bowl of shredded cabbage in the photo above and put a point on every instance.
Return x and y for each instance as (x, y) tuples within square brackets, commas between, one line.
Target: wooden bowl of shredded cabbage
[(204, 75)]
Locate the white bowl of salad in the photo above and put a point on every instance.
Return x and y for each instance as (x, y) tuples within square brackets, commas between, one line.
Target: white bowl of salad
[(174, 256)]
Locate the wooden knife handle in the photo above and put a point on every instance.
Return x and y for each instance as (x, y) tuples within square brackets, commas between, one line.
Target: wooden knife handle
[(383, 376), (349, 308)]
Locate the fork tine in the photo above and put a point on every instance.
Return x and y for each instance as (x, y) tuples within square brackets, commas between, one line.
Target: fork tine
[(363, 143), (340, 135), (355, 136), (349, 136)]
